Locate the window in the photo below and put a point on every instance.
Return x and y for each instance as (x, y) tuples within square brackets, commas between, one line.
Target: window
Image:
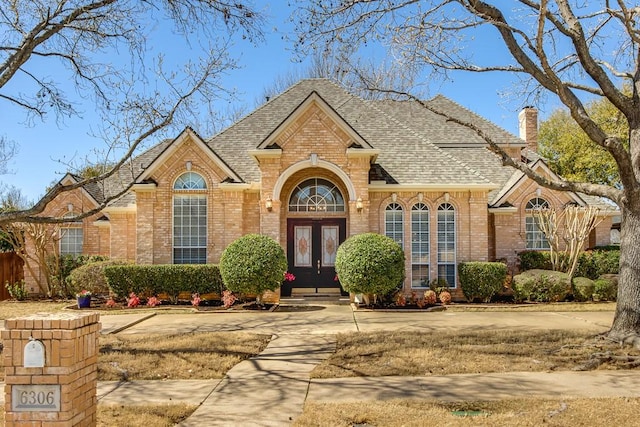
[(419, 246), (190, 221), (394, 223), (71, 239), (447, 244), (535, 238), (316, 195)]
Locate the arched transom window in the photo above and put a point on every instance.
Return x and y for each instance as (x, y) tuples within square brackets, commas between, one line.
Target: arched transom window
[(190, 181), (535, 238), (190, 220), (316, 195)]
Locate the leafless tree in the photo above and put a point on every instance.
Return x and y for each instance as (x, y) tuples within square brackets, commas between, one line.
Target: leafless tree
[(567, 231), (571, 50), (98, 48)]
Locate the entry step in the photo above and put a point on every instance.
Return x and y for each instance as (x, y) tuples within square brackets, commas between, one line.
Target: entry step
[(315, 292)]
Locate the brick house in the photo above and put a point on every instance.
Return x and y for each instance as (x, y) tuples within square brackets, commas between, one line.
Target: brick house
[(315, 165)]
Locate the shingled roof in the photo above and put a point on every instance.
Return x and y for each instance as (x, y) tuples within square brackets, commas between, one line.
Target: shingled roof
[(417, 146)]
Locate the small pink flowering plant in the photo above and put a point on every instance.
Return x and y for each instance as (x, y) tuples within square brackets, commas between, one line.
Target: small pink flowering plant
[(83, 293), (110, 303), (289, 277), (153, 301), (195, 299), (133, 301), (228, 298)]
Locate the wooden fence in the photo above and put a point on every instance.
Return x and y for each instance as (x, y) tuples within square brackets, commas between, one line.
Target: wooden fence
[(11, 270)]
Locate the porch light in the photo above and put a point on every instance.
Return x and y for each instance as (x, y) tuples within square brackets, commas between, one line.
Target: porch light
[(359, 204), (268, 204)]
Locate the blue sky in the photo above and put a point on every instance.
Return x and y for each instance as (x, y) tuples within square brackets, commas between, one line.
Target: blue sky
[(43, 144)]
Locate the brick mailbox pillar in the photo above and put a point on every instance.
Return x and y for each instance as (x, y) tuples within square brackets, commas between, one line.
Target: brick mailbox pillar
[(51, 369)]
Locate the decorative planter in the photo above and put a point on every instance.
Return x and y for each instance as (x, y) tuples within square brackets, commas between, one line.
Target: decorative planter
[(84, 302)]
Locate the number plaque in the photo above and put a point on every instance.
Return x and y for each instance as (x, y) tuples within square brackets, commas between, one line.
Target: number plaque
[(35, 398)]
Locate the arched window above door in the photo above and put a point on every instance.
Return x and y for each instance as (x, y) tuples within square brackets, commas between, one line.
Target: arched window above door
[(316, 195)]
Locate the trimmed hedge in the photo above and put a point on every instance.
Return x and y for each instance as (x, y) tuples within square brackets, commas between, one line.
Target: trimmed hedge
[(481, 280), (252, 264), (591, 264), (370, 263), (541, 286), (583, 289), (605, 288), (172, 279)]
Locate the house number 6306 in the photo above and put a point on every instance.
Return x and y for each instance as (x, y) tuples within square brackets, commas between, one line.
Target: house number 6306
[(36, 398)]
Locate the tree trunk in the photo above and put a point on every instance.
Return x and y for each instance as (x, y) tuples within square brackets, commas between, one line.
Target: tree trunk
[(626, 323)]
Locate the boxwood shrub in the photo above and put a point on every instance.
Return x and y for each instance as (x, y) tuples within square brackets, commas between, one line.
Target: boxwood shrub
[(541, 286), (481, 280), (252, 264), (583, 289), (91, 277), (370, 263), (172, 279), (605, 288), (591, 264)]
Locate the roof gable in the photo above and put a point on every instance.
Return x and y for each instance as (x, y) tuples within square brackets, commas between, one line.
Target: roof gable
[(289, 125), (519, 178), (171, 149)]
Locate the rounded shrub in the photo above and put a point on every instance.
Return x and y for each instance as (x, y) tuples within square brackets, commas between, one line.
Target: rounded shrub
[(481, 280), (253, 264), (583, 288), (605, 288), (91, 277), (370, 263), (541, 286)]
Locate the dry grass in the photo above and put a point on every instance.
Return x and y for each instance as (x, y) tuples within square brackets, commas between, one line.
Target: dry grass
[(9, 309), (138, 415), (462, 352), (619, 412), (143, 415), (197, 355)]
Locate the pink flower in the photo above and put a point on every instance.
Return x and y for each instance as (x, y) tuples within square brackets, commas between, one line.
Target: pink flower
[(289, 277), (133, 300), (195, 299)]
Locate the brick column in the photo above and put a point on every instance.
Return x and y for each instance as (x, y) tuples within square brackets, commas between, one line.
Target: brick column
[(63, 391)]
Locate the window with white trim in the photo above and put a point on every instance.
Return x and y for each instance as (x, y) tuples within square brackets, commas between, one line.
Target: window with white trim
[(71, 238), (534, 237), (190, 220), (447, 243), (419, 246), (394, 223)]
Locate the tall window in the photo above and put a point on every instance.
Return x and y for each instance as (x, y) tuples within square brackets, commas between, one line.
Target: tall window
[(71, 238), (447, 244), (316, 195), (535, 238), (190, 220), (394, 223), (419, 246)]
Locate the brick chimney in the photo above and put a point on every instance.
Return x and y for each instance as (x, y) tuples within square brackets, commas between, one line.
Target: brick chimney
[(528, 127)]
